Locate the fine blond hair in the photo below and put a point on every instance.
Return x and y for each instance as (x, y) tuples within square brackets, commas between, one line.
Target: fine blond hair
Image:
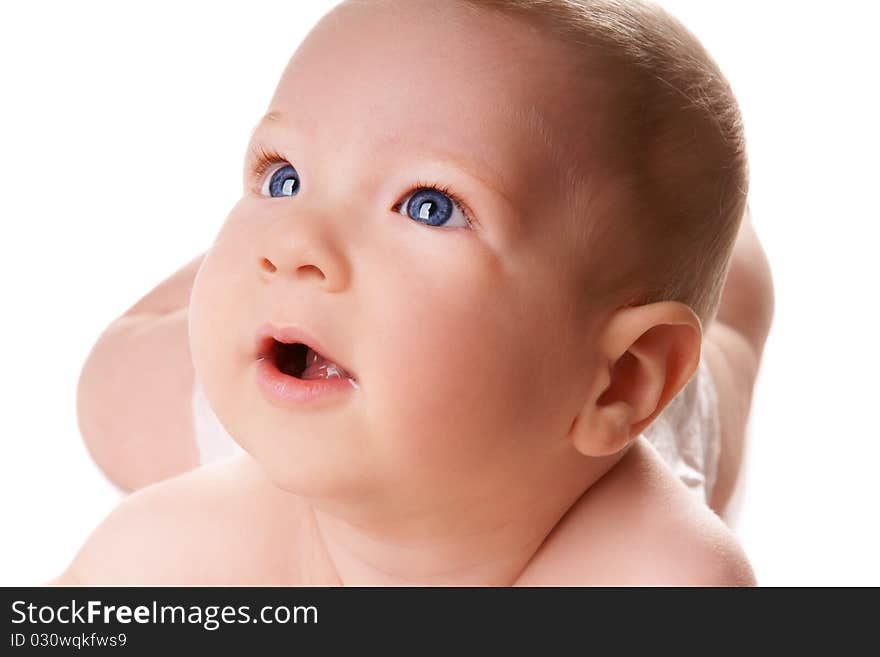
[(678, 150)]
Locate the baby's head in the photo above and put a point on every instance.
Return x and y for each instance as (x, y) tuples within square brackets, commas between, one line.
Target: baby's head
[(508, 219)]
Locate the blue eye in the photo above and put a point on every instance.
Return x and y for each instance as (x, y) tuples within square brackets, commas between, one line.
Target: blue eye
[(434, 207), (283, 182)]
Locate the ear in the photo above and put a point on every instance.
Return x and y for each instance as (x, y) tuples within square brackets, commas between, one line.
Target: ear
[(646, 355)]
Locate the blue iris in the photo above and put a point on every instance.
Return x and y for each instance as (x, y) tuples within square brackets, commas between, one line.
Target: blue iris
[(430, 206), (284, 182)]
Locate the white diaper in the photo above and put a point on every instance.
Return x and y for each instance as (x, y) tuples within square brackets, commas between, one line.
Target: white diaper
[(686, 434)]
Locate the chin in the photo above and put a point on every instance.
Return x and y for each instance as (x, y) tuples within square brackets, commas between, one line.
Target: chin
[(312, 477)]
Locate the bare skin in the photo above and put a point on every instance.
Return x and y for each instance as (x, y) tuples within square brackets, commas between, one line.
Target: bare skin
[(153, 438), (557, 493), (224, 502), (240, 529)]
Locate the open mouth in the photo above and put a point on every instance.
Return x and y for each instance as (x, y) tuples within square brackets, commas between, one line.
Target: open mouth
[(300, 361), (290, 358)]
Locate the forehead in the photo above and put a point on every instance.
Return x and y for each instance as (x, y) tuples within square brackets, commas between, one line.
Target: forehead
[(477, 86)]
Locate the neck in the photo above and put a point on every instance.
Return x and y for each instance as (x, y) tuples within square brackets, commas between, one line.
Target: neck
[(458, 542)]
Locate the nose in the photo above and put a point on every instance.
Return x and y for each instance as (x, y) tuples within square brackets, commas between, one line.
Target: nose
[(307, 247)]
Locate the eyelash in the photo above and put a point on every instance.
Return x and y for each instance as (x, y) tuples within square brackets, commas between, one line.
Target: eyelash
[(265, 159)]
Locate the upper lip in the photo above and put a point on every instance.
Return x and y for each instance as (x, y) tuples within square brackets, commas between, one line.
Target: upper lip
[(269, 333)]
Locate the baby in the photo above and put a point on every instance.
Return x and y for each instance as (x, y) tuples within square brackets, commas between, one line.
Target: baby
[(477, 250)]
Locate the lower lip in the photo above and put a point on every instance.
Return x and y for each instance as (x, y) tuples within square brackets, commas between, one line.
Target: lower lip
[(288, 391)]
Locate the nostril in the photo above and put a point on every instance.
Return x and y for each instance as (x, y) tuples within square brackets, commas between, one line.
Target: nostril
[(311, 268), (268, 266)]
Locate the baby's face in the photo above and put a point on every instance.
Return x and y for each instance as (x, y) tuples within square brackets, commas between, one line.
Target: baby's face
[(461, 319)]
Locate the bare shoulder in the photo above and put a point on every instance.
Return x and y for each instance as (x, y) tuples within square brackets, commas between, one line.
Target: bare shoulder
[(192, 529), (640, 526)]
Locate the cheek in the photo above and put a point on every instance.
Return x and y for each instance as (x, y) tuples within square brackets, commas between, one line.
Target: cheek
[(457, 381), (206, 310), (221, 318), (203, 313), (222, 304)]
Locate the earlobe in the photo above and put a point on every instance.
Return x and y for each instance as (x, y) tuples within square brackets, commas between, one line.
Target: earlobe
[(647, 354)]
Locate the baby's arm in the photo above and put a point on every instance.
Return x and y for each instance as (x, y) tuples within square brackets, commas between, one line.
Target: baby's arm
[(134, 392), (732, 347)]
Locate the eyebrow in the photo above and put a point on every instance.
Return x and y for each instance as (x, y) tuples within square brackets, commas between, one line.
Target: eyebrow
[(473, 169)]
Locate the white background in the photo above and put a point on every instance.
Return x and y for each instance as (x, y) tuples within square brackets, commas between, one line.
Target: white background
[(123, 127)]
